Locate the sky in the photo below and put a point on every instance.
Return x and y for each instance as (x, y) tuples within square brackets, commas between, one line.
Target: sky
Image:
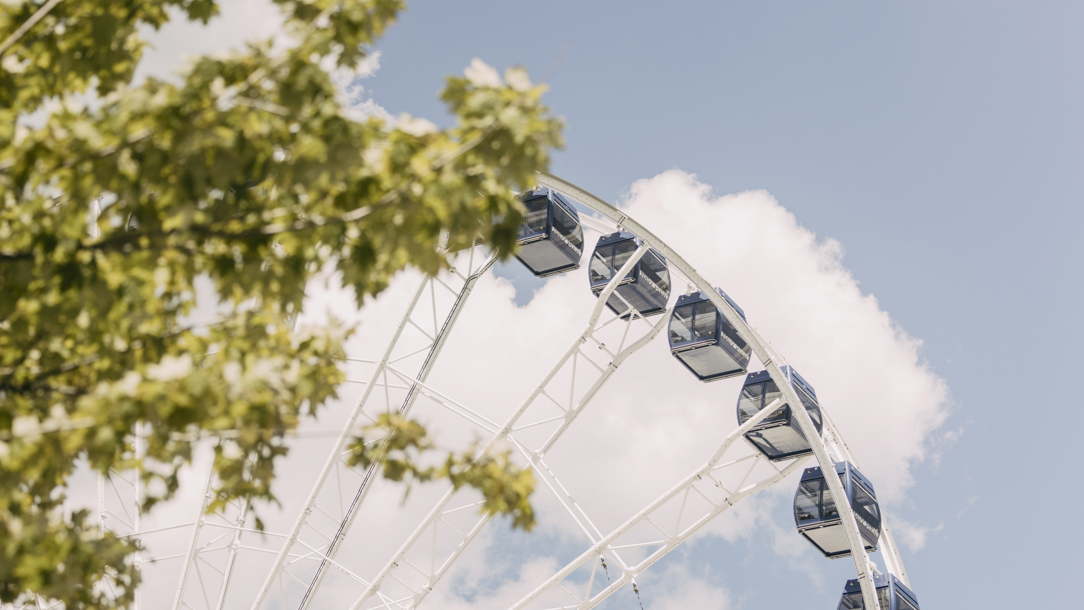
[(891, 193)]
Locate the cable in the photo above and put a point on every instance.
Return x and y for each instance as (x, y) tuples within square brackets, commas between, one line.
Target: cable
[(610, 583), (29, 23), (637, 592)]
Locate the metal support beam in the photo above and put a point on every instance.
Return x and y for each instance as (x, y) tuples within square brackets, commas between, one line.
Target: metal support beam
[(328, 546), (404, 409), (190, 555), (606, 546), (506, 431)]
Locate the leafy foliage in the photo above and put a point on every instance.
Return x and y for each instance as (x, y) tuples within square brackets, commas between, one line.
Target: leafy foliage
[(115, 199), (398, 444)]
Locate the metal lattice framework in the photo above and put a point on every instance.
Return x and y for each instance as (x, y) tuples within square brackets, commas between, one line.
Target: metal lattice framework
[(218, 547)]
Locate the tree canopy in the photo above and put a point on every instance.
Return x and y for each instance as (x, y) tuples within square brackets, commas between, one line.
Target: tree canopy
[(249, 171)]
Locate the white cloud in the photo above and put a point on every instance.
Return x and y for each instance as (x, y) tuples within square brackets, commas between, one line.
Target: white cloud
[(179, 41), (481, 74), (352, 93), (913, 535), (415, 127), (867, 371), (170, 368), (241, 22), (678, 589), (504, 595)]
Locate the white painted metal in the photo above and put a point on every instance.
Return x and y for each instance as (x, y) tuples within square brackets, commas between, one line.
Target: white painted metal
[(862, 563), (607, 546), (887, 543), (334, 457), (205, 499), (412, 395), (225, 531), (125, 489), (230, 524), (770, 361), (507, 432), (235, 546), (202, 553), (324, 549)]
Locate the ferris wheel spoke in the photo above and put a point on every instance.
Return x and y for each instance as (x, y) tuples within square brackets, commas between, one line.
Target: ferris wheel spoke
[(327, 514), (447, 402), (543, 472), (689, 519), (119, 507), (214, 543), (567, 365), (565, 499)]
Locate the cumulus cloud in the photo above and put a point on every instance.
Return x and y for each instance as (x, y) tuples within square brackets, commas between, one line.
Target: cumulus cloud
[(681, 590), (653, 422), (238, 23), (505, 594), (179, 41), (674, 588), (867, 371), (913, 535), (482, 74), (352, 92)]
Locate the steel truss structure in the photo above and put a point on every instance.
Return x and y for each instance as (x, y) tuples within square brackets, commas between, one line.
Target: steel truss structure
[(827, 450), (304, 556)]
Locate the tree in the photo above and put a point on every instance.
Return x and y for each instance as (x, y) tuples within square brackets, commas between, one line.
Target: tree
[(115, 198)]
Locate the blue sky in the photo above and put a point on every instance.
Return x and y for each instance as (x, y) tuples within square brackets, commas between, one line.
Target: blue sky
[(942, 143), (939, 143)]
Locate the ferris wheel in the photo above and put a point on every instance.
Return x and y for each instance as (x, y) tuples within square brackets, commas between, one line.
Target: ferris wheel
[(222, 560)]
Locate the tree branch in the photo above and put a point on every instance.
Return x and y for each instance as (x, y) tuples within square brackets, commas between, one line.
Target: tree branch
[(29, 23)]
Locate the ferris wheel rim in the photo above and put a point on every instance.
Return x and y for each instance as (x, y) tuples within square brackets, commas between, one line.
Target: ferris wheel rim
[(770, 359)]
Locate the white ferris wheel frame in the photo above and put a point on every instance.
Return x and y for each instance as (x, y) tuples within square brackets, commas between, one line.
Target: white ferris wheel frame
[(307, 542)]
